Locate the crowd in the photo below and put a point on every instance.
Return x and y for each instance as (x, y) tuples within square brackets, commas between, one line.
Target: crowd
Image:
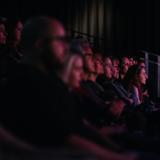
[(60, 93)]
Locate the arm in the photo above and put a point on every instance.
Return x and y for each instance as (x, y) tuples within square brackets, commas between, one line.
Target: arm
[(98, 151)]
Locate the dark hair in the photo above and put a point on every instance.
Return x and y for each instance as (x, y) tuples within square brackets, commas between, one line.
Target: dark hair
[(75, 46), (130, 77), (3, 20), (34, 29), (140, 61)]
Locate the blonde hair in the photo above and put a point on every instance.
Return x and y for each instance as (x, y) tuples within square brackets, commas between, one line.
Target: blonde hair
[(68, 65)]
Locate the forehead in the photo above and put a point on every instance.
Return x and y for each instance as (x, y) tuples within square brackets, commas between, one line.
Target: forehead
[(108, 60), (125, 59), (57, 29), (98, 56), (142, 63), (116, 60)]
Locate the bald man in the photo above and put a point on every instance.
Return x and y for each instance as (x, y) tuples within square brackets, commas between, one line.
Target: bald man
[(37, 108)]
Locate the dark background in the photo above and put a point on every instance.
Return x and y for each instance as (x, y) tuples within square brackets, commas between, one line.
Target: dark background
[(112, 25)]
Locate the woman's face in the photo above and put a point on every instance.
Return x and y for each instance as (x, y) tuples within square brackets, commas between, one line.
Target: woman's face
[(142, 77), (75, 76)]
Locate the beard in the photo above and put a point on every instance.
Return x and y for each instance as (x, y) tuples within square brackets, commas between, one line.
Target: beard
[(51, 62)]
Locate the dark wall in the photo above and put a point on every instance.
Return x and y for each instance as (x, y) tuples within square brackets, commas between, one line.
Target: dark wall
[(118, 25)]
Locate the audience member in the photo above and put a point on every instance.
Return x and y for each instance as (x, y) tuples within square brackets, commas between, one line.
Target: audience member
[(134, 80), (125, 63), (115, 69)]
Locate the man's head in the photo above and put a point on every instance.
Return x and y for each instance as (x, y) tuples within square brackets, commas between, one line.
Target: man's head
[(43, 39), (98, 61), (125, 65), (108, 67)]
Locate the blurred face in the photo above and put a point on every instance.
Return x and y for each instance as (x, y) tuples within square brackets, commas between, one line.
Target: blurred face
[(131, 61), (3, 34), (98, 64), (75, 76), (89, 63), (142, 77), (115, 72), (115, 62), (134, 62), (125, 65), (115, 69), (58, 46), (108, 68), (18, 31)]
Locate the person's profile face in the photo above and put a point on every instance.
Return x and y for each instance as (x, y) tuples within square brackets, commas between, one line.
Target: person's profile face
[(98, 64), (142, 76), (3, 34), (76, 73), (58, 45), (115, 72), (99, 67), (125, 65), (89, 63), (18, 30)]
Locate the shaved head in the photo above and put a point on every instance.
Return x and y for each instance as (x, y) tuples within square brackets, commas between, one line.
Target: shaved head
[(44, 39), (39, 27)]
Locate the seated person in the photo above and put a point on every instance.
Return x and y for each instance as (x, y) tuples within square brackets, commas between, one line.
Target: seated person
[(124, 66), (14, 29), (107, 76), (134, 80), (12, 53)]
